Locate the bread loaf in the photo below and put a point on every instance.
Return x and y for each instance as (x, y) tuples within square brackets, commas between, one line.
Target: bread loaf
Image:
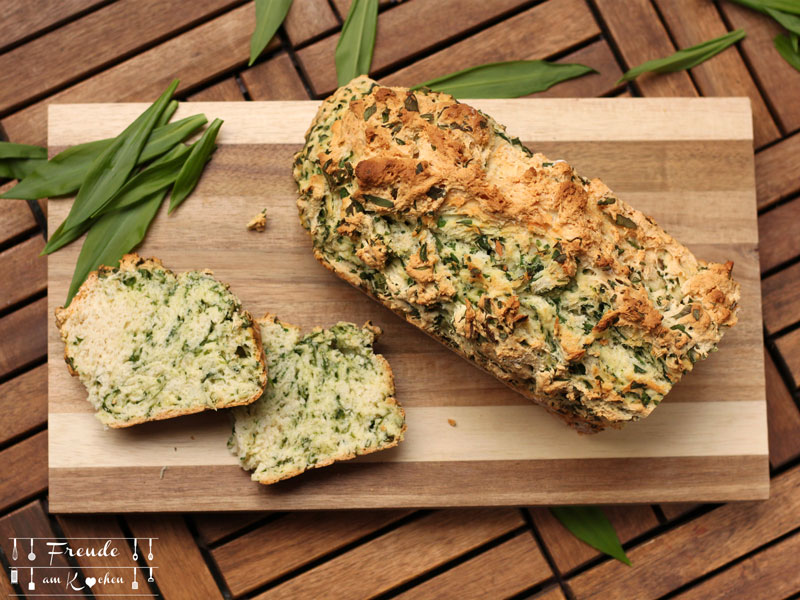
[(542, 277)]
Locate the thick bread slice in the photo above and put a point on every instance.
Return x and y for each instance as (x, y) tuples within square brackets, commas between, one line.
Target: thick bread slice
[(542, 277), (328, 398), (149, 344)]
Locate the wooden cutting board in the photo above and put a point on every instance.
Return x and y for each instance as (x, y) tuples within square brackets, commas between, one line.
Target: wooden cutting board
[(686, 162)]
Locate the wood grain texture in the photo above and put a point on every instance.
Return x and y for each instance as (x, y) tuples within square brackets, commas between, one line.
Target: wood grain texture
[(24, 335), (17, 219), (776, 171), (789, 347), (640, 36), (661, 564), (291, 541), (404, 31), (274, 79), (226, 90), (698, 184), (779, 233), (692, 22), (23, 403), (308, 19), (212, 527), (781, 299), (414, 549), (533, 34), (24, 470), (23, 18), (31, 521), (674, 510), (553, 593), (599, 56), (92, 42), (778, 79), (501, 572), (568, 552), (179, 569), (771, 573), (783, 417), (23, 272)]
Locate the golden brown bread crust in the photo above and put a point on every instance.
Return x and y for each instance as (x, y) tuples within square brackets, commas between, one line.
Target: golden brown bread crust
[(391, 175), (130, 262)]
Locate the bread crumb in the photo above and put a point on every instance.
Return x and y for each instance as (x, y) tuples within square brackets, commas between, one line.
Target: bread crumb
[(259, 222), (161, 475), (451, 422)]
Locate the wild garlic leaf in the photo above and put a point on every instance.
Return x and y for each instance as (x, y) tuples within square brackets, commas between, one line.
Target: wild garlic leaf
[(686, 58), (357, 41), (589, 524), (505, 79), (786, 6), (788, 50), (111, 169), (193, 166), (10, 150), (62, 175), (788, 21), (19, 168), (269, 16)]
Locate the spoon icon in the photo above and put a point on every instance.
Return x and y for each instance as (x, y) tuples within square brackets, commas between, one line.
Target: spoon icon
[(135, 554), (150, 553), (31, 555)]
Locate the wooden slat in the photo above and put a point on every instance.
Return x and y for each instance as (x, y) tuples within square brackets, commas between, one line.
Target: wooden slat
[(598, 55), (779, 234), (226, 90), (31, 521), (640, 36), (772, 573), (681, 555), (289, 542), (24, 336), (405, 30), (536, 33), (23, 18), (781, 298), (198, 55), (694, 21), (553, 593), (6, 589), (212, 527), (23, 403), (17, 219), (92, 42), (23, 272), (789, 347), (569, 552), (783, 417), (778, 78), (399, 555), (102, 528), (308, 19), (776, 171), (500, 572), (274, 79), (182, 572), (674, 510), (24, 469)]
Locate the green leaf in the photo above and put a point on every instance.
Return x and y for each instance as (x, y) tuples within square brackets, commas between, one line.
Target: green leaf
[(113, 236), (787, 50), (787, 6), (19, 168), (62, 175), (505, 79), (686, 58), (9, 150), (790, 22), (111, 169), (167, 114), (269, 16), (795, 42), (158, 176), (357, 41), (194, 165), (588, 523)]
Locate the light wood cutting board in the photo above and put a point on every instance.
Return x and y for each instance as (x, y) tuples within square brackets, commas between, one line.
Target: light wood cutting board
[(686, 162)]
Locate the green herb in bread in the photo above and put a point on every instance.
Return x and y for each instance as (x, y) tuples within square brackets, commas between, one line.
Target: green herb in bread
[(149, 344), (328, 398)]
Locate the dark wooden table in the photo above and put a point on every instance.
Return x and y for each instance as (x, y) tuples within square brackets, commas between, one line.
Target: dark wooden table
[(128, 50)]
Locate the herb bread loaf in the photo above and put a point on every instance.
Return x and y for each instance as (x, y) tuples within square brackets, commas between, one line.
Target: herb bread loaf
[(328, 398), (149, 344), (540, 276)]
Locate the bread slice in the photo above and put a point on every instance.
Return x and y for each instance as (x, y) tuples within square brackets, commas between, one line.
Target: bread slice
[(149, 344), (329, 398), (544, 278)]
